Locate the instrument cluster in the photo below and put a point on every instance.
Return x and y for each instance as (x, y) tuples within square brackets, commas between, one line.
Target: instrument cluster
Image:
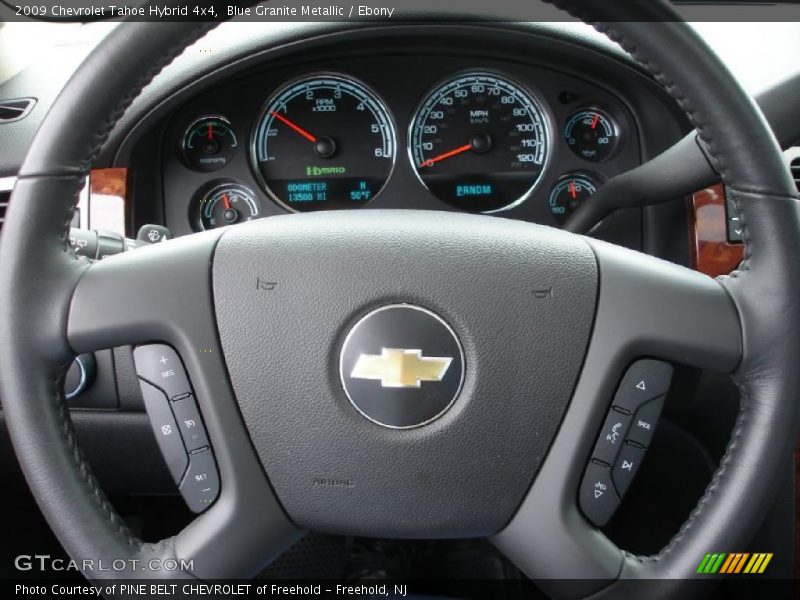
[(522, 142)]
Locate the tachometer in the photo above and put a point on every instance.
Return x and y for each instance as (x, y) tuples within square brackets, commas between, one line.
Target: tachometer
[(324, 142), (479, 142)]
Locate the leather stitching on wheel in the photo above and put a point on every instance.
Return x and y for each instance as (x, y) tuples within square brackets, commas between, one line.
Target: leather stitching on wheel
[(732, 188), (85, 165)]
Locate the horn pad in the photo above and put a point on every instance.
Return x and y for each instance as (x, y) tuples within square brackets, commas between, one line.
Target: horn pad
[(401, 366), (459, 337)]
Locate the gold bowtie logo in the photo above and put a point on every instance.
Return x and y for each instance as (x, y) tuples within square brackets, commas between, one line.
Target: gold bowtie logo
[(398, 368)]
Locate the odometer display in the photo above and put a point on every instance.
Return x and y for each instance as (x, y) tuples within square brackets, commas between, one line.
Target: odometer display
[(324, 142), (479, 142)]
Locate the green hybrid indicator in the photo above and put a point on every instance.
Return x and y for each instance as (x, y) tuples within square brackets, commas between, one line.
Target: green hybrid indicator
[(324, 142)]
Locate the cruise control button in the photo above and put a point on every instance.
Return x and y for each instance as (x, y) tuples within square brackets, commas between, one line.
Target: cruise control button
[(597, 497), (644, 380), (611, 437), (624, 470), (190, 423), (165, 429), (200, 485), (160, 365), (644, 422)]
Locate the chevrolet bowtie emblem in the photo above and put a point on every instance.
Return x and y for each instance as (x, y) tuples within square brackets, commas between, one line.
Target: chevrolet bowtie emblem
[(398, 368)]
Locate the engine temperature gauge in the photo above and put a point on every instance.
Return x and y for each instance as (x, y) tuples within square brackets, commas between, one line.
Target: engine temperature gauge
[(224, 204), (209, 143), (592, 134), (569, 193)]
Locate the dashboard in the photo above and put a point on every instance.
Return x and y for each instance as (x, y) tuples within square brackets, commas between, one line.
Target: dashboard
[(456, 118)]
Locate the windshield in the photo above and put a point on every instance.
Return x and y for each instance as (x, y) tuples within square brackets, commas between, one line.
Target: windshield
[(759, 54)]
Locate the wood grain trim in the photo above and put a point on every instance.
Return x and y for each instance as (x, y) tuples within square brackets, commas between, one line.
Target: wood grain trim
[(108, 195), (110, 182), (708, 237)]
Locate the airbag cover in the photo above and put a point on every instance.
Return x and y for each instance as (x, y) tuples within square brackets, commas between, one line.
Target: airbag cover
[(521, 300)]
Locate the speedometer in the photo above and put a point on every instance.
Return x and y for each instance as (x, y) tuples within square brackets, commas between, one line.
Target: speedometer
[(323, 142), (479, 142)]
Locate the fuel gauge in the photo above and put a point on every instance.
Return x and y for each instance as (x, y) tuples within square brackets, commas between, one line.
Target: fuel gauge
[(209, 143), (225, 203), (569, 192)]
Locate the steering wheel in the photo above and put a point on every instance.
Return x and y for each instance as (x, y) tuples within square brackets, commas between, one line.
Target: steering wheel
[(542, 325)]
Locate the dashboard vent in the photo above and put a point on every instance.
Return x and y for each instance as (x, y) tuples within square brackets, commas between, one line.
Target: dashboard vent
[(6, 185), (4, 196), (795, 167), (16, 109)]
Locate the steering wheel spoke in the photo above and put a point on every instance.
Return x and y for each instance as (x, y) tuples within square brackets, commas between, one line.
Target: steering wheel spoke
[(162, 294), (646, 308), (650, 307)]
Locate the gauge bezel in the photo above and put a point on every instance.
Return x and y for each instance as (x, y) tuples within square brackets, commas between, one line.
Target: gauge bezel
[(596, 179), (191, 126), (612, 118), (349, 79), (196, 205), (535, 98)]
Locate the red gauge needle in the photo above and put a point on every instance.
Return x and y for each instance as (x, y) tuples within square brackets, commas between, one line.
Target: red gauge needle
[(595, 120), (210, 132), (432, 161), (572, 190), (291, 125), (225, 202)]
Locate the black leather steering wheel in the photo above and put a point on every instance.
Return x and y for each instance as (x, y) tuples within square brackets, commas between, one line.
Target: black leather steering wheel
[(505, 461)]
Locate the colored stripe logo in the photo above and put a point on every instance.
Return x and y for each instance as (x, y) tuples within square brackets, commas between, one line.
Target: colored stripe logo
[(734, 563)]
